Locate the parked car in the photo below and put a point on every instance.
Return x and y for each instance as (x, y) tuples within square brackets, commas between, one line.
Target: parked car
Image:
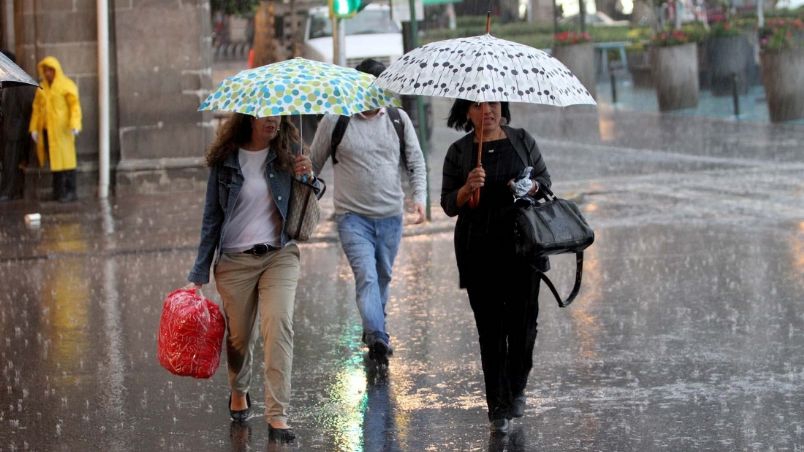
[(596, 19), (369, 34)]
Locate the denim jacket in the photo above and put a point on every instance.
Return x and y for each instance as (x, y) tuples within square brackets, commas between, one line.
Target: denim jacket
[(223, 187)]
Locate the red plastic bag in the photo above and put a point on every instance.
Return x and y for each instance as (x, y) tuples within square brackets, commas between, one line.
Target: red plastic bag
[(190, 334)]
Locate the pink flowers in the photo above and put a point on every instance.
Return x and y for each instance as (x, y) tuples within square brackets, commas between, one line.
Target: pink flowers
[(670, 38), (566, 38), (781, 33)]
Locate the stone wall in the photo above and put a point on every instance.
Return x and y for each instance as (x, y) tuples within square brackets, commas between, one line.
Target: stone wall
[(163, 51), (160, 71)]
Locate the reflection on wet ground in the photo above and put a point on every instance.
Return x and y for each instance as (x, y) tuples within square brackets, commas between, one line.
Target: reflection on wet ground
[(688, 333)]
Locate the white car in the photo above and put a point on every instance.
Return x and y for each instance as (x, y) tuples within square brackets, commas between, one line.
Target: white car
[(369, 34), (596, 19)]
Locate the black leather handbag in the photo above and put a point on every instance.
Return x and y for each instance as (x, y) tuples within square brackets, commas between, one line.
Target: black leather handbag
[(551, 225)]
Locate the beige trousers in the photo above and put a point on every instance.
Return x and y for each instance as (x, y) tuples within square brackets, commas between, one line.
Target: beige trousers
[(265, 284)]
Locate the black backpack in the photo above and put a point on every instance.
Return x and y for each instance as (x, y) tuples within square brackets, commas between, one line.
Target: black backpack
[(396, 120)]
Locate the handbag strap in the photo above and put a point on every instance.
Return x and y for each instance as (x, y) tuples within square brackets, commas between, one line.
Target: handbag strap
[(575, 289), (304, 210)]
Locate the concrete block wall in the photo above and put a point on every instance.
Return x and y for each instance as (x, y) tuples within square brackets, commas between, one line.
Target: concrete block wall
[(160, 71), (164, 59)]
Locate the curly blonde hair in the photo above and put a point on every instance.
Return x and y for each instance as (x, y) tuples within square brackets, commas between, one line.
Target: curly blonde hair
[(236, 132)]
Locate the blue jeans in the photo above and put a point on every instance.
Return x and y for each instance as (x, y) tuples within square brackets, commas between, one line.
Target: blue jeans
[(371, 244)]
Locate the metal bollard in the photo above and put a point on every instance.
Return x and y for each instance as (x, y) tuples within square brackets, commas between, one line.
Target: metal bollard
[(735, 96), (613, 78), (613, 88)]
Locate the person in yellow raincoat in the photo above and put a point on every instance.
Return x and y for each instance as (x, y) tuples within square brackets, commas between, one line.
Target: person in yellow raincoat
[(55, 122)]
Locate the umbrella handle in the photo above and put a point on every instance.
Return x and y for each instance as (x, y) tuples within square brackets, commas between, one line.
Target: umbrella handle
[(474, 200)]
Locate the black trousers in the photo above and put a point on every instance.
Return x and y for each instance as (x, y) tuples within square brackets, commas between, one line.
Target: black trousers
[(11, 181), (506, 308), (64, 184)]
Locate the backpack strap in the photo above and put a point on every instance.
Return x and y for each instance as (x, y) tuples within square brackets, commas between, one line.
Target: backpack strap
[(575, 289), (399, 126), (337, 136)]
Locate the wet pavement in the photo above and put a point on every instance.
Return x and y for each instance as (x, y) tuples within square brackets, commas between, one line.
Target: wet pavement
[(688, 333)]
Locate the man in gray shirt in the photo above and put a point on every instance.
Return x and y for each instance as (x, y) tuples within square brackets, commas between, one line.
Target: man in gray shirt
[(369, 203)]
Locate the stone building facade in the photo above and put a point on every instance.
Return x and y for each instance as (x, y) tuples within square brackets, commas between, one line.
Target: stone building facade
[(160, 69)]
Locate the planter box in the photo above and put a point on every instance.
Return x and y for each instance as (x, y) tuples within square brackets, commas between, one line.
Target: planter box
[(639, 67), (783, 77), (580, 59), (728, 56), (675, 75)]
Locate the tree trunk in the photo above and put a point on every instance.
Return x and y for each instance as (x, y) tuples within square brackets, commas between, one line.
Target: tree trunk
[(264, 46)]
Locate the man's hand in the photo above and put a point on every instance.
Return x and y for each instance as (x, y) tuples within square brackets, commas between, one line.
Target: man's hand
[(422, 214), (35, 136)]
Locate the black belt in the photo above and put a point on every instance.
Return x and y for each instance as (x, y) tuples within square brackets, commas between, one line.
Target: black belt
[(260, 249)]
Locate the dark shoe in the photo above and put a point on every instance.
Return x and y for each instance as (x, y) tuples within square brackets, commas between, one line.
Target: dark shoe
[(240, 415), (518, 406), (283, 435), (363, 339), (500, 426), (378, 351)]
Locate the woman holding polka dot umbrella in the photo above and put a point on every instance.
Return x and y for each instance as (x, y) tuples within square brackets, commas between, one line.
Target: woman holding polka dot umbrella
[(484, 74)]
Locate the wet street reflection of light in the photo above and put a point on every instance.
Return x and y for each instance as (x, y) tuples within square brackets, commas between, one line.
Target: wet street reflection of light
[(585, 321), (344, 414)]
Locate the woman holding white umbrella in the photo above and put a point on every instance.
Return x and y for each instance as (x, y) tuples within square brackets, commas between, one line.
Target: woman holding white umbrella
[(484, 73), (503, 289)]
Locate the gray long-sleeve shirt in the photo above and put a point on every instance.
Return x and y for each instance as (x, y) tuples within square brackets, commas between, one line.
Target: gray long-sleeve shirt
[(368, 176)]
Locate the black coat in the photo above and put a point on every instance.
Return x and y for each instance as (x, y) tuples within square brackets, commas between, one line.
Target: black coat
[(457, 165), (16, 112)]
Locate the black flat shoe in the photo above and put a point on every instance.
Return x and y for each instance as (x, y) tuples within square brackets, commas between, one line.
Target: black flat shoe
[(240, 415), (283, 435), (518, 406), (500, 426)]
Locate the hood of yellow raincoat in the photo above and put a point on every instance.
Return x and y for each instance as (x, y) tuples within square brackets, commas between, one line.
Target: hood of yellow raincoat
[(49, 61)]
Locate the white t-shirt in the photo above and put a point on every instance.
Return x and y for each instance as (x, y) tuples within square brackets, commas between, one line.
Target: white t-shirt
[(255, 217)]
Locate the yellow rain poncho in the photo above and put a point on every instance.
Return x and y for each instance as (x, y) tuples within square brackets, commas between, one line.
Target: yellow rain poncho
[(56, 108)]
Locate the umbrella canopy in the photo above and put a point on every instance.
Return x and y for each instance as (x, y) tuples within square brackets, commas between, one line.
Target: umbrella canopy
[(13, 75), (298, 87), (485, 69)]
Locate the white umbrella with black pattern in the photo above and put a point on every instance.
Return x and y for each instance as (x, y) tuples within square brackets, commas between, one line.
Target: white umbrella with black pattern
[(13, 75), (485, 69)]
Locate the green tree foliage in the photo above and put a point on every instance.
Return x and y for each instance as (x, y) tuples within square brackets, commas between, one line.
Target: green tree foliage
[(238, 7)]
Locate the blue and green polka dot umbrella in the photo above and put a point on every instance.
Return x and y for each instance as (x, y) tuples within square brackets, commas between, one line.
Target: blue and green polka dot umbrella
[(298, 87)]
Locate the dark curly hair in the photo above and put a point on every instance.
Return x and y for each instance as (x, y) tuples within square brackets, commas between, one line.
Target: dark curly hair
[(459, 119), (236, 132)]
